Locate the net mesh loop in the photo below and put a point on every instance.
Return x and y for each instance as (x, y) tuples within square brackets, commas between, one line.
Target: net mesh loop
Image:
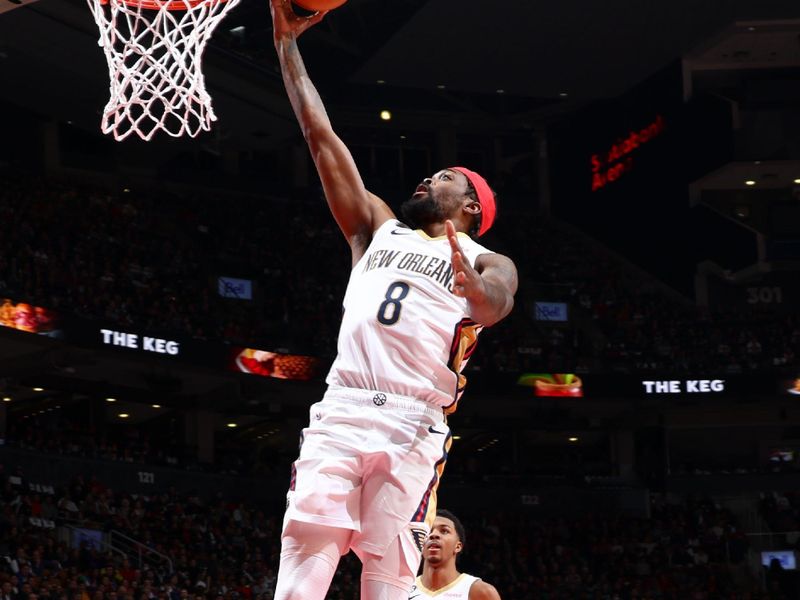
[(154, 53)]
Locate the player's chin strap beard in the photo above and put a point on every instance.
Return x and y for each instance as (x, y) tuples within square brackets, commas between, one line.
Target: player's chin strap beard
[(418, 214)]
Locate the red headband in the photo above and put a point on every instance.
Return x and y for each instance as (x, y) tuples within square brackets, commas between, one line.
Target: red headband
[(485, 197)]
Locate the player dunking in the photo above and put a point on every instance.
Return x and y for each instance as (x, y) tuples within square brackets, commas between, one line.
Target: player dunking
[(440, 577), (418, 296)]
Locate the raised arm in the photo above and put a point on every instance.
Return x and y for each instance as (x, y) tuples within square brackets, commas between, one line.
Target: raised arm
[(358, 212)]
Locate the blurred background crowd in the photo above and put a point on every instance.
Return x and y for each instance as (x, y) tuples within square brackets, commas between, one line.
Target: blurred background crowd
[(195, 547), (152, 261)]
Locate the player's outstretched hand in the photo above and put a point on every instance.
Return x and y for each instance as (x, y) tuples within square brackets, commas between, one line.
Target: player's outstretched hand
[(467, 282), (286, 22)]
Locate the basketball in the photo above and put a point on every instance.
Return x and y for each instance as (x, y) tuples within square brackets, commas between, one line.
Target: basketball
[(317, 5)]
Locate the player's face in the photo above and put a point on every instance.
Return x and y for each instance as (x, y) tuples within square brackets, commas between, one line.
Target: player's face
[(442, 544), (435, 199)]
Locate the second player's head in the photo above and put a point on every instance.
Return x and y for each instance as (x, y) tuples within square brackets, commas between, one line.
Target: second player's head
[(445, 541), (455, 193)]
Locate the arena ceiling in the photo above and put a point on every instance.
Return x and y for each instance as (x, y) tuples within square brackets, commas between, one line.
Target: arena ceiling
[(490, 65)]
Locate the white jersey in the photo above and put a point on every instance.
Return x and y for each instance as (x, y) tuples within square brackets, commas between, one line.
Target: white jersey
[(458, 589), (403, 330)]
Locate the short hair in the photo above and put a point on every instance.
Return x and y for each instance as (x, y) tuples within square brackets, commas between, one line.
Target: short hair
[(462, 535)]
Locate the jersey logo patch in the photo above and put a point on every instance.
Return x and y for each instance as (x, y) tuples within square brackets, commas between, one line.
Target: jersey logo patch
[(401, 231), (379, 399), (419, 537), (432, 430)]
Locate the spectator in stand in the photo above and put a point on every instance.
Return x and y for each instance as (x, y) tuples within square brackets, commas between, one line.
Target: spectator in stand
[(228, 550)]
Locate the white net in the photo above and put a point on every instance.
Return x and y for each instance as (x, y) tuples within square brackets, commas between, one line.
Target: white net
[(154, 51)]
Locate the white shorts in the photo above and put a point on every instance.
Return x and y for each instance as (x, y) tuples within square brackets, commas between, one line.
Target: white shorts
[(371, 462)]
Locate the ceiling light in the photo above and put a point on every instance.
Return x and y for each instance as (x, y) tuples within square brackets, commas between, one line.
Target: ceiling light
[(232, 425), (563, 94), (156, 405), (111, 399), (797, 180), (123, 415), (6, 398), (456, 437), (573, 439), (380, 81), (441, 86), (500, 91), (386, 115), (750, 182), (38, 389)]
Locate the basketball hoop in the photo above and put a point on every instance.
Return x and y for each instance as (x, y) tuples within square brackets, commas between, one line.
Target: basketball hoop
[(154, 52)]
